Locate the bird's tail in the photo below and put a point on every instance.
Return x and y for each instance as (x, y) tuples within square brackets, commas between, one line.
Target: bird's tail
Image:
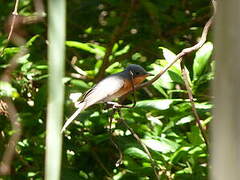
[(81, 107)]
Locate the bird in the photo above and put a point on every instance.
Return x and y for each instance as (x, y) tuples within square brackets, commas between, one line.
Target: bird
[(110, 88)]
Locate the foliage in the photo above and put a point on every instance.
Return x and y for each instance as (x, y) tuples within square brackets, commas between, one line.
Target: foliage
[(144, 32)]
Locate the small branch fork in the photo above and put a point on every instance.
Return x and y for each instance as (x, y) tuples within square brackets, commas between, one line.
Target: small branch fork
[(14, 13), (185, 51), (5, 164), (190, 95), (155, 166), (10, 148), (114, 38), (179, 56), (153, 163), (116, 108), (11, 112)]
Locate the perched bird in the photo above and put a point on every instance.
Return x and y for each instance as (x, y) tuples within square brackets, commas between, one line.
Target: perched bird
[(113, 86)]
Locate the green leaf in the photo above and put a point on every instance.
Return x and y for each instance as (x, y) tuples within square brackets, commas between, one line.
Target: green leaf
[(170, 57), (185, 120), (114, 68), (183, 151), (122, 51), (196, 150), (80, 83), (204, 105), (11, 51), (165, 81), (162, 104), (164, 145), (186, 170), (23, 59), (195, 136), (6, 89), (26, 66), (136, 153), (30, 41), (201, 59), (32, 174), (89, 47)]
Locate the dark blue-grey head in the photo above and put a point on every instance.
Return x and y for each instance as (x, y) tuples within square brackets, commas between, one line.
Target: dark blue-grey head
[(136, 70)]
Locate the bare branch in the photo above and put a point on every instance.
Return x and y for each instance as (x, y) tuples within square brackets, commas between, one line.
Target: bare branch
[(190, 95), (8, 155), (154, 164), (100, 163), (119, 161), (11, 112), (115, 36), (185, 51), (15, 14)]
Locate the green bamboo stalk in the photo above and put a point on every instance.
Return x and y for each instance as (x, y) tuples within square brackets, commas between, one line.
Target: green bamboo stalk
[(56, 56)]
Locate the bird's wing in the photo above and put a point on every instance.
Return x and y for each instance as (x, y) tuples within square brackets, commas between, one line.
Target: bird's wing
[(104, 90), (101, 91)]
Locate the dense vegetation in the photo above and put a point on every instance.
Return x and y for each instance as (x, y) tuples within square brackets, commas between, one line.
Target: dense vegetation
[(103, 37)]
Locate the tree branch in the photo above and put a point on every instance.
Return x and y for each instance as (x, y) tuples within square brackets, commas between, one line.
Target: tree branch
[(9, 152), (186, 51), (190, 95), (115, 36)]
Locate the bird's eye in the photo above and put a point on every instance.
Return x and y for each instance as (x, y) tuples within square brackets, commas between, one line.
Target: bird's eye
[(137, 73)]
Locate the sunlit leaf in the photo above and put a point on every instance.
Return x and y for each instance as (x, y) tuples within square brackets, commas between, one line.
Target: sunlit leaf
[(23, 59), (164, 81), (136, 153), (179, 154), (89, 47), (185, 120), (157, 104), (164, 146), (195, 136), (201, 59), (170, 57), (6, 89), (80, 83), (124, 50), (30, 42)]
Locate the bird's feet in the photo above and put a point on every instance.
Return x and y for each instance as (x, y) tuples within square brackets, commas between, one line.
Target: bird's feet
[(115, 105)]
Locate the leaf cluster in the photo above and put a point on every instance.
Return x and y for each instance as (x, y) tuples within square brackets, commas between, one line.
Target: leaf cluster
[(144, 32)]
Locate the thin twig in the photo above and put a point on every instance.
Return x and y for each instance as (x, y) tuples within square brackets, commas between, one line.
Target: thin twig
[(119, 161), (13, 64), (117, 106), (185, 51), (133, 90), (76, 68), (115, 36), (190, 95), (153, 163), (5, 165), (100, 163), (15, 14)]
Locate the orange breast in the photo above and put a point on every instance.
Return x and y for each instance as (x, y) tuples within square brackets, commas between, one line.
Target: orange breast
[(138, 80), (128, 85)]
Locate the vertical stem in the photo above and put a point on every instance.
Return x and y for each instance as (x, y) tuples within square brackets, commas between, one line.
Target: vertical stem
[(56, 56), (225, 147), (190, 95)]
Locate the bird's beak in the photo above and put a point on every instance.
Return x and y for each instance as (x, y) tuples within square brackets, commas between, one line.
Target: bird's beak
[(149, 74)]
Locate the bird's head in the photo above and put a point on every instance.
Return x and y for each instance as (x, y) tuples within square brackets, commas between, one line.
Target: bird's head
[(137, 71)]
